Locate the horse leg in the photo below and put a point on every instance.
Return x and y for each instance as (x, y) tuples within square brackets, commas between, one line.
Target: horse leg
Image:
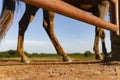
[(48, 23), (103, 8), (96, 44), (23, 24), (102, 36)]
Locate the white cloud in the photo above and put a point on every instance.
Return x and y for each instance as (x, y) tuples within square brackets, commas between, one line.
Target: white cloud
[(47, 47), (8, 44), (29, 46)]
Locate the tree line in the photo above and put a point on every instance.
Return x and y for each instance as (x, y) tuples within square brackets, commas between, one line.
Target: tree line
[(13, 53)]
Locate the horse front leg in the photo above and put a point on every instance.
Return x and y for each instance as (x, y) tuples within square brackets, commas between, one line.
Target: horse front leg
[(23, 24), (48, 23), (98, 56)]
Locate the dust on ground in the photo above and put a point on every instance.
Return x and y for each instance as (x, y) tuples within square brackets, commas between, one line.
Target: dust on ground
[(58, 70)]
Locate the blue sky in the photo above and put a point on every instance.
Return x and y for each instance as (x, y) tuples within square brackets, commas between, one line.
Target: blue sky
[(73, 35)]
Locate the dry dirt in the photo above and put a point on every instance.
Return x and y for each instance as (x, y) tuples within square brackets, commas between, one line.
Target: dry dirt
[(58, 70)]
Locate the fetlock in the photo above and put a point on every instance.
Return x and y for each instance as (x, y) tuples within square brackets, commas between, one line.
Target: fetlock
[(67, 59), (98, 57), (25, 60)]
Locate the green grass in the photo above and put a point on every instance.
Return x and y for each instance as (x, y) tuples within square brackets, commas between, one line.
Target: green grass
[(13, 54), (81, 56), (56, 56)]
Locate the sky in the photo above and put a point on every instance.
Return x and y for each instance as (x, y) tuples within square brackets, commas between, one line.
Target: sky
[(74, 36)]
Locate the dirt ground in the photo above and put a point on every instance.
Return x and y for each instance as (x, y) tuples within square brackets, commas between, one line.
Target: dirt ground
[(58, 70)]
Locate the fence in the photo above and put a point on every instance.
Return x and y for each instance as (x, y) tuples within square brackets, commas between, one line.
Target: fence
[(73, 12)]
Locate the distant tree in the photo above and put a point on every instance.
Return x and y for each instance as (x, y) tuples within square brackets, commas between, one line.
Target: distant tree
[(12, 52), (34, 53), (87, 54), (76, 53)]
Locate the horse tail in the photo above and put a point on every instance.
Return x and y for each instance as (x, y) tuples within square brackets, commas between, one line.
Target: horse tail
[(6, 17)]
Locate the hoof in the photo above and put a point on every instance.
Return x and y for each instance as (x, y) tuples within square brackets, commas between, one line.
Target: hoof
[(67, 59), (108, 57), (98, 57), (25, 60)]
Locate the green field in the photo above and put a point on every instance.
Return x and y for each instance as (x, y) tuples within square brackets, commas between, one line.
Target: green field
[(12, 54)]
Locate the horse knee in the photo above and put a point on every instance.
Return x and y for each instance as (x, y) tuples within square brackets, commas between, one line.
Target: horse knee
[(48, 19), (45, 24), (95, 48)]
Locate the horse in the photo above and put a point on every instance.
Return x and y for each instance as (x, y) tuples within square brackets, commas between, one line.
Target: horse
[(98, 8)]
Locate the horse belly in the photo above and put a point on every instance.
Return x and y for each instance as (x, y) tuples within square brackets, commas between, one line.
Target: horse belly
[(85, 6)]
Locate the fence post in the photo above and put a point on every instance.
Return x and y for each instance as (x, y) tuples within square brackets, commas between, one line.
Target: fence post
[(115, 39)]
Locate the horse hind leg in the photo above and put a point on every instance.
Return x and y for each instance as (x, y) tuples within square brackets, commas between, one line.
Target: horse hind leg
[(102, 36), (104, 10), (48, 23), (23, 24)]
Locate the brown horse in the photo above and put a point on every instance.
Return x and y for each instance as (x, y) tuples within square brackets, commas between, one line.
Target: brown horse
[(98, 8)]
